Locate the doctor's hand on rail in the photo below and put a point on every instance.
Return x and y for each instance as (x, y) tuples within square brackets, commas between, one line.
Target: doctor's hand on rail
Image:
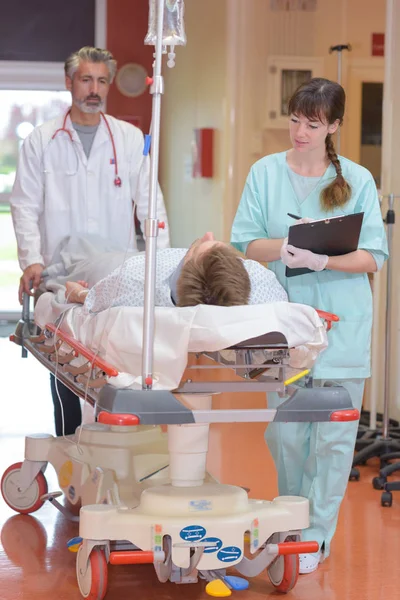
[(296, 258), (30, 280)]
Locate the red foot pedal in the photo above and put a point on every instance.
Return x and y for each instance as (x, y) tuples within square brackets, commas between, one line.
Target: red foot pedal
[(118, 419), (345, 415)]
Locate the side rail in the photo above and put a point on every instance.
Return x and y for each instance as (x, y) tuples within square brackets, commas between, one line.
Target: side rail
[(77, 367), (80, 349)]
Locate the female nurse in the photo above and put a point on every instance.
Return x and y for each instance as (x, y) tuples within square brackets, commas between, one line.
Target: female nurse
[(310, 180)]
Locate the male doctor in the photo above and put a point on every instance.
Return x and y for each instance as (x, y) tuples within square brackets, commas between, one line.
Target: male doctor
[(81, 173)]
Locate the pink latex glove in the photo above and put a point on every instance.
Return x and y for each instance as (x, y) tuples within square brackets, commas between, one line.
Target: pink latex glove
[(297, 258)]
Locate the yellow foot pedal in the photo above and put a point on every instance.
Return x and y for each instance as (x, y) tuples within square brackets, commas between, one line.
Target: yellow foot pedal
[(74, 544), (218, 589)]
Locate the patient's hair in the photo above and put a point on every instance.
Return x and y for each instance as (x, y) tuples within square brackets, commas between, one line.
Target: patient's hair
[(218, 277)]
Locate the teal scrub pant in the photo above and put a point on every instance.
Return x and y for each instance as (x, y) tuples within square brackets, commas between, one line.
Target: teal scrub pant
[(313, 460)]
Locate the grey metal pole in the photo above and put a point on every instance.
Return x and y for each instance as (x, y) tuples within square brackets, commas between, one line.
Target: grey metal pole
[(151, 223), (390, 219), (25, 318)]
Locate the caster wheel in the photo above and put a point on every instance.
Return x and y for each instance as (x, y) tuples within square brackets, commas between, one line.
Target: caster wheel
[(92, 575), (354, 474), (283, 572), (386, 499), (164, 569), (22, 502), (378, 483)]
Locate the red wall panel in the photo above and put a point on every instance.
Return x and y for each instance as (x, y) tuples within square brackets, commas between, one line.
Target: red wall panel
[(127, 22)]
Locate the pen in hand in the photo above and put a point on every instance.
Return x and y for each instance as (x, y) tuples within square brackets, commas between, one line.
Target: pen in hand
[(293, 216)]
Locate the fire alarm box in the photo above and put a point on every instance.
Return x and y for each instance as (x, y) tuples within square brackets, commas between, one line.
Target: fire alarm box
[(203, 154)]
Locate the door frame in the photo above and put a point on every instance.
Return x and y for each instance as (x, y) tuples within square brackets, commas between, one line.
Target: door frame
[(359, 71)]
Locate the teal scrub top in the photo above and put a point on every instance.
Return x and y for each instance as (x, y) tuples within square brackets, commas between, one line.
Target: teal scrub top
[(262, 213)]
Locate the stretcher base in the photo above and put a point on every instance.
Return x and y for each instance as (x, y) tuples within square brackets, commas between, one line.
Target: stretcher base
[(191, 532)]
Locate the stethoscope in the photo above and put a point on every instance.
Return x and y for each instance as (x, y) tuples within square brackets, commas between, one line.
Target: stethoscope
[(64, 129)]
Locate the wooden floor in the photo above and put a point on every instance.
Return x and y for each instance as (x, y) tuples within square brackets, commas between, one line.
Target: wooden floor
[(35, 564)]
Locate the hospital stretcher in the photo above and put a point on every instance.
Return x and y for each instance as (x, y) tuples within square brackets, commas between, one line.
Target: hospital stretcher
[(146, 496)]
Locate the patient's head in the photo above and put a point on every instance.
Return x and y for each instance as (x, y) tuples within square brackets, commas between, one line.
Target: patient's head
[(213, 273)]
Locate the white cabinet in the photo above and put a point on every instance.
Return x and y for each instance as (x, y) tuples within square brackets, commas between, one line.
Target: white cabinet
[(284, 75)]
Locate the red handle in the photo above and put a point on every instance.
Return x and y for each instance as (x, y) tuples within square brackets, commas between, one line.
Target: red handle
[(297, 547), (117, 419), (328, 317)]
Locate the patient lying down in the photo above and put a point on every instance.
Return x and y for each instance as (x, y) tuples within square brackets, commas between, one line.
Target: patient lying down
[(209, 272)]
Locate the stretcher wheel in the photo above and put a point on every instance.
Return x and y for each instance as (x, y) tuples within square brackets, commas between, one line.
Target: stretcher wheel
[(378, 483), (22, 502), (164, 569), (283, 572), (354, 474), (92, 576), (387, 499)]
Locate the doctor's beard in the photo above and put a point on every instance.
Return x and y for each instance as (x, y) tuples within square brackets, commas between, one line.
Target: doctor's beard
[(89, 108)]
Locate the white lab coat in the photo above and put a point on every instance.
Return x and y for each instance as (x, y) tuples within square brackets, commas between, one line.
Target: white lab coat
[(59, 192)]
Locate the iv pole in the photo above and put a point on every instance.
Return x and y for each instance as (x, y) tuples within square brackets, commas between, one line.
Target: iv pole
[(387, 442), (170, 11)]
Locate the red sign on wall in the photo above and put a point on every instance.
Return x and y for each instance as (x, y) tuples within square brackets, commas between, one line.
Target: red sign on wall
[(378, 44)]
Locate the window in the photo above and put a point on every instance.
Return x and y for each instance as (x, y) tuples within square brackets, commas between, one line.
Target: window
[(22, 110), (291, 80), (46, 31), (284, 75)]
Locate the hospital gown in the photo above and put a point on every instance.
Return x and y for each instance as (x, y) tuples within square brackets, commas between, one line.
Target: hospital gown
[(314, 460), (125, 285)]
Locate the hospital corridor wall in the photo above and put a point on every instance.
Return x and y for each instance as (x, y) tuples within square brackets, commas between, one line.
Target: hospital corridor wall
[(222, 80)]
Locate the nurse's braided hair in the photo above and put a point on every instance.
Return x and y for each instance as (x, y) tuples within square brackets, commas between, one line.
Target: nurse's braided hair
[(324, 99)]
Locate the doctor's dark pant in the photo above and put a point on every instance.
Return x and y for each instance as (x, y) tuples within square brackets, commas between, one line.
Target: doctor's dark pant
[(71, 407)]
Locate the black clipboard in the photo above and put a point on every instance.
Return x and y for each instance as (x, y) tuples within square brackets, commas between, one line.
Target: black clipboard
[(333, 236)]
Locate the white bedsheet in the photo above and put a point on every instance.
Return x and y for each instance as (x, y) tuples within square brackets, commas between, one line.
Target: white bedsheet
[(117, 334)]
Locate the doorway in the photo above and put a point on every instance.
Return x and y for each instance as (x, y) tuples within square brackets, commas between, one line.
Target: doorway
[(363, 124)]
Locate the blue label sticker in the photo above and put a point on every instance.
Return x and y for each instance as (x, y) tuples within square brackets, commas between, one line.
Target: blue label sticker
[(200, 505), (212, 540), (229, 554), (192, 533)]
